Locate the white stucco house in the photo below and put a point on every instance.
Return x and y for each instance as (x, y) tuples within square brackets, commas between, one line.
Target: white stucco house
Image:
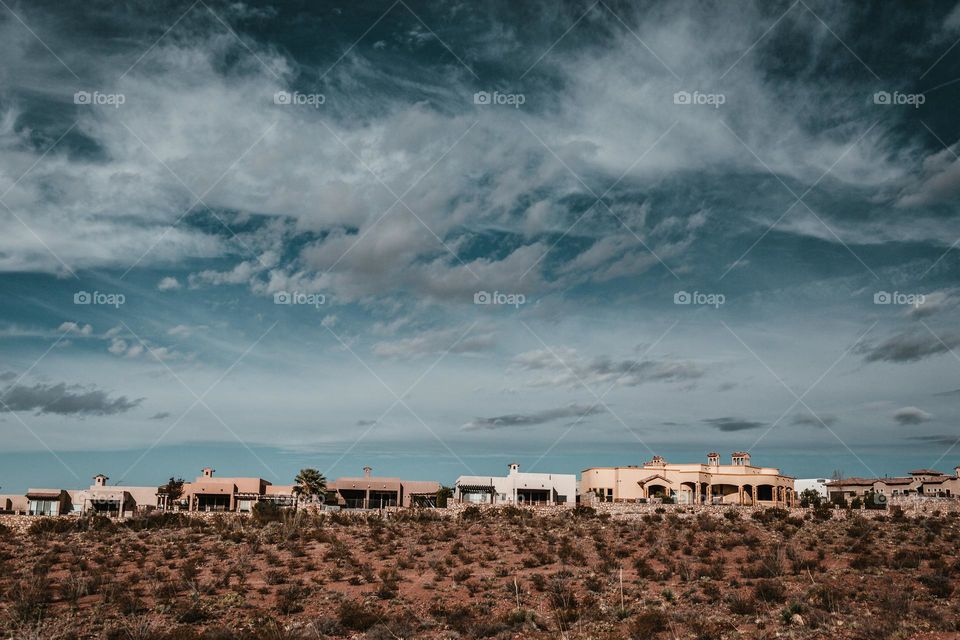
[(817, 484), (518, 488)]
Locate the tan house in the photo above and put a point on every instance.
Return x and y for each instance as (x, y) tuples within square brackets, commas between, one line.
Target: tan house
[(928, 483), (208, 493), (13, 503), (372, 492), (48, 502), (738, 483), (119, 501)]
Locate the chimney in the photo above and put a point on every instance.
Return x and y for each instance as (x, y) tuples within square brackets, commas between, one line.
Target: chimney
[(741, 458), (713, 459), (367, 471), (207, 472), (514, 468), (100, 480), (956, 470)]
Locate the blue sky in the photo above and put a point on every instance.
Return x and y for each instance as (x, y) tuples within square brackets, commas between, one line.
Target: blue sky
[(437, 237)]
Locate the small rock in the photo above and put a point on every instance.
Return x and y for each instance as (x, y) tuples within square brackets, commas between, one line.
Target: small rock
[(797, 619)]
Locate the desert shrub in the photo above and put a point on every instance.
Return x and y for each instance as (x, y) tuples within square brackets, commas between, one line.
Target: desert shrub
[(647, 624), (938, 584), (770, 591), (859, 527), (471, 513), (276, 576), (643, 567), (389, 584), (771, 514), (58, 526), (191, 611), (742, 605), (827, 597), (265, 512), (562, 598), (865, 560), (28, 599), (357, 616), (905, 559), (164, 520), (290, 599), (731, 514), (823, 512), (583, 511)]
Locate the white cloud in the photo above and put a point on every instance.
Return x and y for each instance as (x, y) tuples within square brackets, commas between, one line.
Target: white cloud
[(168, 283), (73, 327)]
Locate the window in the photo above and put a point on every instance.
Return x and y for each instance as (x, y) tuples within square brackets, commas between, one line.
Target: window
[(44, 507)]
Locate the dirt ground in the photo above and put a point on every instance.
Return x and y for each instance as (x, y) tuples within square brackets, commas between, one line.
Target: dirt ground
[(618, 571)]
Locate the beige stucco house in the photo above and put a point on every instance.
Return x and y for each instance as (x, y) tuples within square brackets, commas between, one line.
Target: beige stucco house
[(113, 500), (739, 482), (372, 492), (13, 503), (928, 483), (208, 493)]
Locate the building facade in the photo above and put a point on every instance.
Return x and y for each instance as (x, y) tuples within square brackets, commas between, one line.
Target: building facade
[(517, 488), (739, 482), (115, 501), (928, 483), (372, 492), (817, 484), (209, 493)]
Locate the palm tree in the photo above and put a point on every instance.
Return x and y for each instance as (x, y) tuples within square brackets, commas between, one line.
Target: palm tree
[(309, 483), (443, 495)]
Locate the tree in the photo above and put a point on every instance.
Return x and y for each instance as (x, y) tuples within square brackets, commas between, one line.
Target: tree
[(810, 498), (173, 490), (443, 495), (309, 483)]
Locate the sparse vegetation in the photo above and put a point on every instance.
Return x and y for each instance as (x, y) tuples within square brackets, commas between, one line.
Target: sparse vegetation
[(665, 571)]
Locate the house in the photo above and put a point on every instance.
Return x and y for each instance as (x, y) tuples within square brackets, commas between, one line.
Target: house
[(118, 501), (208, 493), (817, 484), (518, 488), (48, 502), (920, 482), (739, 482), (12, 503), (372, 492)]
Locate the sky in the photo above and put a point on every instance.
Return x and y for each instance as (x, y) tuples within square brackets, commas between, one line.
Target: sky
[(439, 237)]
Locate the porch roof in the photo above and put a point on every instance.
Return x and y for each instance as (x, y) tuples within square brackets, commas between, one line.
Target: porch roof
[(477, 487), (42, 494)]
